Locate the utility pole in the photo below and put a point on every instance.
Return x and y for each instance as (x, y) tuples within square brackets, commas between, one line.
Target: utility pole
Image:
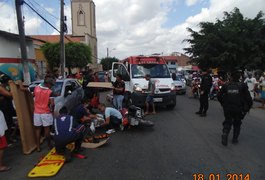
[(107, 52), (62, 55), (23, 47)]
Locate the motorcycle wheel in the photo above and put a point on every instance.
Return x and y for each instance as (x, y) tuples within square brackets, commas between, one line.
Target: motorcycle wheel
[(146, 123)]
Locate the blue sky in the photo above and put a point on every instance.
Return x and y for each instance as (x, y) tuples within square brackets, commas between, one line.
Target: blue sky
[(180, 11), (131, 27)]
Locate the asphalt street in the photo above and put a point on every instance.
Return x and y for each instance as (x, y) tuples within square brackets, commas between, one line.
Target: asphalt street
[(180, 145)]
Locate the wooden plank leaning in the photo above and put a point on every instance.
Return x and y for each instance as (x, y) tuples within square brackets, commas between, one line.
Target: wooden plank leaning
[(24, 105)]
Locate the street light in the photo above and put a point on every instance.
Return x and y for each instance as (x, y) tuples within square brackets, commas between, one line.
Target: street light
[(109, 51)]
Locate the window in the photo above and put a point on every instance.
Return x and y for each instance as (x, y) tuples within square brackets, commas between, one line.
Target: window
[(173, 63), (81, 17), (75, 85), (57, 89), (155, 70), (120, 69)]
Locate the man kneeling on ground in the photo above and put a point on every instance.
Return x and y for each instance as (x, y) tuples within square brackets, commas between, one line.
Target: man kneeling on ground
[(67, 131), (113, 118), (81, 112)]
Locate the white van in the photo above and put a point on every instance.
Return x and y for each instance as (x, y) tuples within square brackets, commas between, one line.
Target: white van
[(133, 70)]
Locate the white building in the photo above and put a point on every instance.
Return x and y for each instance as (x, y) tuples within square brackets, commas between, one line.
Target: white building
[(10, 55)]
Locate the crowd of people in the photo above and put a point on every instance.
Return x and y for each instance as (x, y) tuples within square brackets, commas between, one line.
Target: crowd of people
[(254, 81), (236, 94), (236, 97)]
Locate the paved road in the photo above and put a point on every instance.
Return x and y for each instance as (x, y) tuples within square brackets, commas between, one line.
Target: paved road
[(180, 144)]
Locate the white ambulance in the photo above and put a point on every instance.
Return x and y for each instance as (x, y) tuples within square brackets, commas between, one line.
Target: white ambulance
[(133, 70)]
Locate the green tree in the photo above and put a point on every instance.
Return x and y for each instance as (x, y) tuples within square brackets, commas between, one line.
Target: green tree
[(107, 62), (233, 42), (51, 52), (76, 54)]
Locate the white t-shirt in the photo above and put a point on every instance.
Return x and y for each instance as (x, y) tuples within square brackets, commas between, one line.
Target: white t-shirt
[(251, 82), (262, 82)]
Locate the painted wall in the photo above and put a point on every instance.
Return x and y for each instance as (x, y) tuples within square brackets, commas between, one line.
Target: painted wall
[(10, 57), (10, 47)]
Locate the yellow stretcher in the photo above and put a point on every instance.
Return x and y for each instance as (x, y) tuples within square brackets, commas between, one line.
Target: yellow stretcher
[(52, 162), (48, 166)]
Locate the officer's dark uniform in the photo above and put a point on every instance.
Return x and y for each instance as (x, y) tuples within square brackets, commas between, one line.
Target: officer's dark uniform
[(206, 85), (236, 101)]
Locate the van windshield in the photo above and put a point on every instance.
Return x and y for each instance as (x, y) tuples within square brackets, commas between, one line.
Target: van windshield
[(155, 70)]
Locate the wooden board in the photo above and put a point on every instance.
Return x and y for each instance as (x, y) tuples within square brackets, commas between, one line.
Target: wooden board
[(24, 104), (48, 166), (94, 145), (100, 85)]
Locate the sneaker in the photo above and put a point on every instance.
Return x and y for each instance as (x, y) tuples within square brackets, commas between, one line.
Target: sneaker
[(121, 127), (110, 131)]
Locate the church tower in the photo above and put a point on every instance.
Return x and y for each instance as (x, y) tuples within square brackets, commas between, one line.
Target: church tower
[(84, 23)]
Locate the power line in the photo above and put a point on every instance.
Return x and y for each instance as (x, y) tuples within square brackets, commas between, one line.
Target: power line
[(46, 20), (69, 27), (57, 18), (41, 16)]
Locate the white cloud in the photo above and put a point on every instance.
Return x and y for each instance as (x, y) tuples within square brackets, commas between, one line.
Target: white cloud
[(135, 27), (50, 10), (8, 18), (191, 2), (33, 26), (139, 28)]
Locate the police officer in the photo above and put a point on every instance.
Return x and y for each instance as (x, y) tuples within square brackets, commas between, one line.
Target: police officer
[(236, 101), (206, 85)]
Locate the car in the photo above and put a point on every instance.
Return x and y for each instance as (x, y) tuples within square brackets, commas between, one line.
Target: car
[(182, 77), (180, 86), (66, 92), (101, 76)]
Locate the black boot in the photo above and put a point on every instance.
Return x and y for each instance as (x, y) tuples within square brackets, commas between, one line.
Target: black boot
[(199, 113), (226, 131), (224, 139), (203, 114), (235, 136)]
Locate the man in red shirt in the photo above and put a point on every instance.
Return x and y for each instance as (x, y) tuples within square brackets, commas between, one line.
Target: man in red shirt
[(42, 112)]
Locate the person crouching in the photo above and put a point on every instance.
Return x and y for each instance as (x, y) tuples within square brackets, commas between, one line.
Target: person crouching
[(67, 131)]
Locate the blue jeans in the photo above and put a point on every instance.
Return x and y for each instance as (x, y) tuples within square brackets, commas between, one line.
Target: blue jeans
[(117, 101)]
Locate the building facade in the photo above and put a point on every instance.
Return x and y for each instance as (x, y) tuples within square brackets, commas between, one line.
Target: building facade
[(84, 23), (176, 60), (10, 55)]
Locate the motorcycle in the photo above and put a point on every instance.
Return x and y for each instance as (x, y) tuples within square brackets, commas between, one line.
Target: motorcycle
[(196, 89), (214, 91), (216, 88), (134, 116)]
